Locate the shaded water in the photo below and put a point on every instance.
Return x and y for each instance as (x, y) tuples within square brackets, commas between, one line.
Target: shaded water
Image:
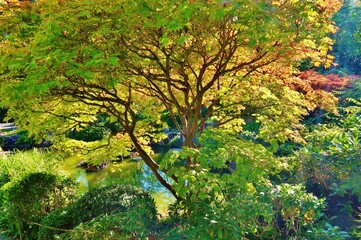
[(125, 172)]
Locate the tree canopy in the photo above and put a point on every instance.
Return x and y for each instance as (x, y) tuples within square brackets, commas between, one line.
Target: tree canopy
[(62, 63)]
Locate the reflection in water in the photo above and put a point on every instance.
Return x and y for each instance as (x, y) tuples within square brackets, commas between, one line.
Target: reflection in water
[(81, 179), (126, 172)]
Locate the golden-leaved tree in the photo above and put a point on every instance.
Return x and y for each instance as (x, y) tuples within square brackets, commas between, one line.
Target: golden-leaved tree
[(62, 63)]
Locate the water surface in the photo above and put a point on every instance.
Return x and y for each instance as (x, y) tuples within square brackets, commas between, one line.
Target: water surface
[(126, 172)]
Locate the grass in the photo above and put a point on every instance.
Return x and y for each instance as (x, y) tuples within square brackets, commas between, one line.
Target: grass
[(21, 163)]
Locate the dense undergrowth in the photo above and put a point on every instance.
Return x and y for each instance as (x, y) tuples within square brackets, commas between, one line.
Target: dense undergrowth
[(303, 192)]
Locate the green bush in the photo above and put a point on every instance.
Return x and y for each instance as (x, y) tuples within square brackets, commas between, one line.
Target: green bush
[(4, 178), (259, 212), (298, 210), (134, 206), (231, 216), (25, 138), (3, 113), (28, 200), (30, 187), (115, 226), (330, 165), (227, 193), (332, 155), (88, 134), (327, 232), (102, 127), (101, 227)]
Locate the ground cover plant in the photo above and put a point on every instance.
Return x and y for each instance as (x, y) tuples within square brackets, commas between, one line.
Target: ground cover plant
[(30, 188)]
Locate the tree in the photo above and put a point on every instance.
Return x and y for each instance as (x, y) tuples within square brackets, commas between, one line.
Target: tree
[(347, 50), (329, 82), (64, 62)]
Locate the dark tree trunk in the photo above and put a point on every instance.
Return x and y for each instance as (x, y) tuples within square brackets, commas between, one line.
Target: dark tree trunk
[(153, 166)]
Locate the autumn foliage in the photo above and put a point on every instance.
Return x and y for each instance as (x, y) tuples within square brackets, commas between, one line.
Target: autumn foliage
[(327, 82), (199, 61)]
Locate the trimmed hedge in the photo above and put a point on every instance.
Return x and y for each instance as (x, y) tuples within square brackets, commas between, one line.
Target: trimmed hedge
[(134, 205), (31, 198)]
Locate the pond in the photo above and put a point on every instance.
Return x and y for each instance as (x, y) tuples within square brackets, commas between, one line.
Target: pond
[(126, 172)]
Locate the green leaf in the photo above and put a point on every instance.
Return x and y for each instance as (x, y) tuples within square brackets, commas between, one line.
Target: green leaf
[(165, 40), (113, 61), (182, 39), (219, 233)]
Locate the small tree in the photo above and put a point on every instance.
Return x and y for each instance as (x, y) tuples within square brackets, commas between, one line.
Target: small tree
[(64, 62)]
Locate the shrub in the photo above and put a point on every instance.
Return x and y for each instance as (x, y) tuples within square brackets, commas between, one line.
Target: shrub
[(88, 134), (101, 227), (135, 208), (227, 193), (297, 210), (28, 200), (328, 232), (332, 157), (97, 130), (258, 212), (330, 166), (28, 191), (25, 138), (3, 113)]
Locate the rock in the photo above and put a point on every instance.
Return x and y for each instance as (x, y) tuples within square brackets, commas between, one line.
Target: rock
[(11, 142), (82, 163), (94, 168), (7, 126), (137, 158), (89, 167)]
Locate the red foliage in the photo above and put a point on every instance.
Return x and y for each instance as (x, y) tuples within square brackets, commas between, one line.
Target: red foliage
[(17, 3), (327, 82)]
